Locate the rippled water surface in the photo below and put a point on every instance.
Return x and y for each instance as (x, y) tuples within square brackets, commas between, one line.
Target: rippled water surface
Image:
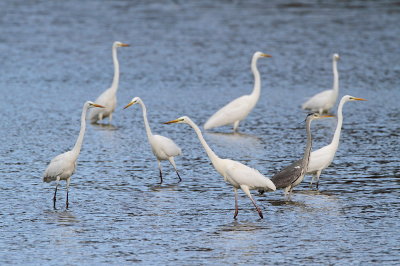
[(190, 59)]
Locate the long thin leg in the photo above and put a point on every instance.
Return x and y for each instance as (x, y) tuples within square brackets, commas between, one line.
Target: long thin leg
[(100, 116), (287, 192), (159, 167), (110, 118), (247, 191), (235, 125), (68, 181), (236, 203), (318, 174), (172, 161), (312, 180), (55, 192)]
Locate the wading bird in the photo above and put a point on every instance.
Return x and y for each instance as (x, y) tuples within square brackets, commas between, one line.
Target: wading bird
[(108, 98), (323, 157), (238, 109), (163, 148), (63, 166), (235, 173), (293, 174), (325, 100)]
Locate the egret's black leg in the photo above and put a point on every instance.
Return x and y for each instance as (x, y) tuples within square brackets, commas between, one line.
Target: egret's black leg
[(159, 167), (180, 179), (68, 180), (55, 192), (54, 198), (236, 204), (161, 180)]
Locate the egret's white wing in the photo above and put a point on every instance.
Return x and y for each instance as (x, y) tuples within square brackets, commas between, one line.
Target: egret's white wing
[(244, 175), (57, 166), (319, 100), (236, 110), (167, 145), (108, 100), (320, 159)]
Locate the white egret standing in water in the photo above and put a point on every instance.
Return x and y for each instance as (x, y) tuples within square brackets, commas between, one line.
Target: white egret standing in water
[(325, 100), (63, 166), (323, 157), (108, 98), (163, 148), (238, 109), (235, 173)]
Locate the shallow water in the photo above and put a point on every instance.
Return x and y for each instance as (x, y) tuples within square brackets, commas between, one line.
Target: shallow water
[(190, 59)]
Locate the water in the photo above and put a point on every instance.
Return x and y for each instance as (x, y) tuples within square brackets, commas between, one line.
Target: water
[(190, 59)]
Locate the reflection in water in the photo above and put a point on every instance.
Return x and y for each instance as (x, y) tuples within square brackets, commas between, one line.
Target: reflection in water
[(235, 138), (163, 187), (64, 218), (105, 126), (238, 226)]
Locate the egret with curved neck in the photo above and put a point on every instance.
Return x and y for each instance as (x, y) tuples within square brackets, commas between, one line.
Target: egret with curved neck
[(235, 173), (163, 148), (325, 100), (108, 98), (323, 157), (63, 166), (238, 109)]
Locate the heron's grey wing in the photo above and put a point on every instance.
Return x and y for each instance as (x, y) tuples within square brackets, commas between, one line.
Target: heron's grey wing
[(288, 175)]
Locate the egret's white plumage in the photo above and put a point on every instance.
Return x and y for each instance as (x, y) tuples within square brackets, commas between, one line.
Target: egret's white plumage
[(325, 100), (238, 109), (235, 173), (323, 157), (108, 98), (63, 166), (163, 148)]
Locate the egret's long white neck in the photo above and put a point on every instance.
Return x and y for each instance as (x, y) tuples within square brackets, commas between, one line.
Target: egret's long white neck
[(257, 80), (335, 77), (77, 148), (336, 136), (213, 157), (114, 85), (146, 123)]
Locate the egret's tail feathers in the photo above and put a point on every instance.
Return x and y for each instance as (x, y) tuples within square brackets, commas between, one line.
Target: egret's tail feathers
[(208, 126), (271, 185), (48, 179)]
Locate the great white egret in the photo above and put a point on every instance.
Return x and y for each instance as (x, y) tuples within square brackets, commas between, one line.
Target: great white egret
[(235, 173), (238, 109), (325, 100), (292, 175), (323, 157), (163, 148), (108, 98), (63, 166)]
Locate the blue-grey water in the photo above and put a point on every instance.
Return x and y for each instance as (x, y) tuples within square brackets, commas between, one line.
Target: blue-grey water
[(190, 58)]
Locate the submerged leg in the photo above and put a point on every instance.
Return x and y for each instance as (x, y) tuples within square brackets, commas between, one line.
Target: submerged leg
[(312, 180), (247, 191), (110, 118), (68, 181), (318, 174), (100, 116), (172, 161), (55, 192), (235, 125), (236, 203), (159, 167)]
